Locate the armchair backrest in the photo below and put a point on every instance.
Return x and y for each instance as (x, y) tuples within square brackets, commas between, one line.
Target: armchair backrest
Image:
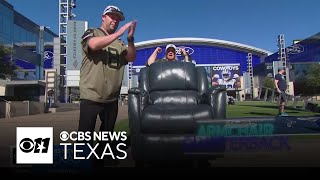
[(174, 82)]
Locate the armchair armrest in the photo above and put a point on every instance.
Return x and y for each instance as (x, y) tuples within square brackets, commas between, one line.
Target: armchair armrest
[(216, 97), (137, 91), (137, 100)]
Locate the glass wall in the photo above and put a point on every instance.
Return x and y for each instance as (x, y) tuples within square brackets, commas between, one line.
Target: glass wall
[(6, 24), (48, 49), (23, 35), (48, 37), (306, 51), (26, 44), (6, 28), (300, 70)]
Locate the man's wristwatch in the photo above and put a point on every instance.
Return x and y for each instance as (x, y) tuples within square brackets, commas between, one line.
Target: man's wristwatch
[(130, 39)]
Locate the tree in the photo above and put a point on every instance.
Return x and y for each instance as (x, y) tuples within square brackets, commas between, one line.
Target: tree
[(268, 82), (313, 78), (7, 66), (309, 84)]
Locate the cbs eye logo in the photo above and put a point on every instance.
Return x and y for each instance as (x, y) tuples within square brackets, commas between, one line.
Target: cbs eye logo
[(34, 145), (38, 145)]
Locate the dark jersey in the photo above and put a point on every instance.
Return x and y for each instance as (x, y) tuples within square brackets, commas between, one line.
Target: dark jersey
[(282, 84)]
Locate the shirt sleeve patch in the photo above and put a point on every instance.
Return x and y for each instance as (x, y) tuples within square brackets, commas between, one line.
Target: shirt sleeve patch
[(87, 34)]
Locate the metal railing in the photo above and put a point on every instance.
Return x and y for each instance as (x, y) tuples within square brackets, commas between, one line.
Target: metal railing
[(263, 95)]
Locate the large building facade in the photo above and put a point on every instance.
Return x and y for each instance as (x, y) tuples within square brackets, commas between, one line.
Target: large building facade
[(33, 46), (32, 52), (215, 55), (301, 56)]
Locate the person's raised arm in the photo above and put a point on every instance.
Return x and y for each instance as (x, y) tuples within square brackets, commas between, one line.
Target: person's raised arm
[(153, 56), (97, 43), (131, 55), (186, 56)]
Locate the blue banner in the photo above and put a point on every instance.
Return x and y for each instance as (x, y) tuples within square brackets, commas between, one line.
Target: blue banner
[(203, 55)]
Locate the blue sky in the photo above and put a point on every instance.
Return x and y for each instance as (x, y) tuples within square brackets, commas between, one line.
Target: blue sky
[(251, 22)]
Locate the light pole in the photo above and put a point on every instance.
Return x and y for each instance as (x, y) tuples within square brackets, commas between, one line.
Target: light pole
[(39, 71)]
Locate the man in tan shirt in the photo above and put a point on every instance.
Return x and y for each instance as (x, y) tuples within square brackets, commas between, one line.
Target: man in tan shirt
[(104, 58)]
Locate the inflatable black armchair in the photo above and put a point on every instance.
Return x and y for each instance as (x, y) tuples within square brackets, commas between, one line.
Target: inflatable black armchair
[(164, 110)]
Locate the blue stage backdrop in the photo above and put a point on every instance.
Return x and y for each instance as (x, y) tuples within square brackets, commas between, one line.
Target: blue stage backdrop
[(203, 55)]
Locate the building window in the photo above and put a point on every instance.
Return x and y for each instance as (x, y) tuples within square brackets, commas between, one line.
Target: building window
[(6, 25)]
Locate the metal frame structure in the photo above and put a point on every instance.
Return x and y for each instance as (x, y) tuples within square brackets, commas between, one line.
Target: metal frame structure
[(65, 14), (250, 71), (130, 74), (283, 56)]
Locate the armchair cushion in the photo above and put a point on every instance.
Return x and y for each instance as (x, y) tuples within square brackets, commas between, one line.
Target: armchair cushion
[(175, 97), (172, 76), (173, 119)]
